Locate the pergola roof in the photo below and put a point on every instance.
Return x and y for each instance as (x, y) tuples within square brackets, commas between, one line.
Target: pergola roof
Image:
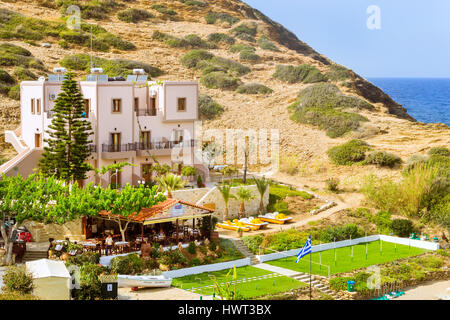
[(160, 212)]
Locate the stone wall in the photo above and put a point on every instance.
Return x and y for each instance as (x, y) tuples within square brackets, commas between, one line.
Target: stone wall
[(207, 196), (40, 232)]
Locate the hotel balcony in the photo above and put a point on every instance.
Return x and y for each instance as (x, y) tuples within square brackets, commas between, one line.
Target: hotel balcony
[(118, 151), (146, 112), (160, 148)]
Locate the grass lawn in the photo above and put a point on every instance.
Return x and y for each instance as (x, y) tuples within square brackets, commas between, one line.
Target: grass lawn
[(251, 282), (344, 261)]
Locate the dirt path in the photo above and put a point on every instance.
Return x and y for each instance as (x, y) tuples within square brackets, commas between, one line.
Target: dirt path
[(427, 291), (273, 228)]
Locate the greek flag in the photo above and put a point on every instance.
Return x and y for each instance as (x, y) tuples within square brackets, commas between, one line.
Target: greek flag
[(305, 250)]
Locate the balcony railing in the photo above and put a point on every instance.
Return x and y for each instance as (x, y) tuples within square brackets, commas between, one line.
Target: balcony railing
[(93, 148), (140, 146), (146, 112), (118, 147)]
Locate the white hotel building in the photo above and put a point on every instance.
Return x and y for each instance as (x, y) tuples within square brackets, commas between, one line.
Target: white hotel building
[(132, 120)]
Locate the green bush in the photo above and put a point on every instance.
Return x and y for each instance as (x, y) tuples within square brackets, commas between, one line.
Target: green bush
[(12, 48), (402, 227), (129, 264), (254, 88), (248, 55), (14, 92), (16, 279), (294, 74), (72, 36), (383, 222), (265, 44), (196, 262), (85, 258), (338, 73), (220, 38), (340, 233), (201, 59), (332, 184), (17, 26), (349, 152), (233, 67), (213, 17), (383, 159), (244, 29), (192, 248), (440, 151), (163, 9), (238, 47), (219, 80), (23, 74), (90, 285), (286, 240), (6, 79), (194, 3), (193, 58), (91, 9), (253, 242), (11, 55), (208, 108), (188, 171), (173, 257), (132, 15), (340, 283), (195, 41)]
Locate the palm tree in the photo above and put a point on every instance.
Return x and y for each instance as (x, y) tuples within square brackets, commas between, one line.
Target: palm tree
[(262, 185), (170, 182), (244, 194), (225, 190)]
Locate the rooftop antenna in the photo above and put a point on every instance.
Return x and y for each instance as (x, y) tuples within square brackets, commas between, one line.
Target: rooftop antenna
[(92, 65)]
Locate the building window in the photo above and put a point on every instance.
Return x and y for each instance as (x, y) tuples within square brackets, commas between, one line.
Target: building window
[(136, 104), (115, 142), (117, 105), (38, 106), (152, 106), (87, 108), (145, 139), (32, 106), (181, 104)]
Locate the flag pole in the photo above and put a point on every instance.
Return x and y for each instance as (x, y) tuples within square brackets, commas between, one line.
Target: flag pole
[(310, 288)]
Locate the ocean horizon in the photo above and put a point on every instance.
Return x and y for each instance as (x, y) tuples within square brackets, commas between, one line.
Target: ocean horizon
[(426, 99)]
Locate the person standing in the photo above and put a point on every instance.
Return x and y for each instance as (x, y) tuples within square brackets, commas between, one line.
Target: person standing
[(109, 243)]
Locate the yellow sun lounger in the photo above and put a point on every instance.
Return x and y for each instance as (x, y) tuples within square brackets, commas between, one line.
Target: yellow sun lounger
[(274, 220), (234, 227)]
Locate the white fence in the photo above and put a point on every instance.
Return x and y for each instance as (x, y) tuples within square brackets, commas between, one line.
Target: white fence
[(409, 242), (207, 268), (346, 243)]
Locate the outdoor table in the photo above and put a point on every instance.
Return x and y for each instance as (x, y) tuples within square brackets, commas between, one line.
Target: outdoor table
[(121, 245), (89, 244)]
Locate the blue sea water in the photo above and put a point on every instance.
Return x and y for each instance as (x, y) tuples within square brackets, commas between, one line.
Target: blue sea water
[(426, 99)]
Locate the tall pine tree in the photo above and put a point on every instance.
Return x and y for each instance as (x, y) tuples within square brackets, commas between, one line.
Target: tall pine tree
[(68, 145)]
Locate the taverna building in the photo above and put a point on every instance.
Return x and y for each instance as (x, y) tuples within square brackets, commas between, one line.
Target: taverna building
[(133, 121)]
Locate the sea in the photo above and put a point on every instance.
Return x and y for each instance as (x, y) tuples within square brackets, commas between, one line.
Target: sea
[(426, 99)]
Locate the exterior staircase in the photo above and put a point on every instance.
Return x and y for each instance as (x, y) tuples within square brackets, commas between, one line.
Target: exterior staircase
[(318, 282), (240, 245), (34, 255)]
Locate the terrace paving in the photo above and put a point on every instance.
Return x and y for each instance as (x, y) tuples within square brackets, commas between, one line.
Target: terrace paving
[(159, 294)]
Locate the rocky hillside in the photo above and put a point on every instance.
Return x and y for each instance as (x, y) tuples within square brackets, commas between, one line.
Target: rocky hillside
[(254, 73)]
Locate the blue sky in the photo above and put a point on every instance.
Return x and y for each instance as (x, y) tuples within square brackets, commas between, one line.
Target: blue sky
[(413, 41)]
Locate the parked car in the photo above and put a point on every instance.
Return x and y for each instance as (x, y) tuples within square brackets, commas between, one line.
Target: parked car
[(23, 235)]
